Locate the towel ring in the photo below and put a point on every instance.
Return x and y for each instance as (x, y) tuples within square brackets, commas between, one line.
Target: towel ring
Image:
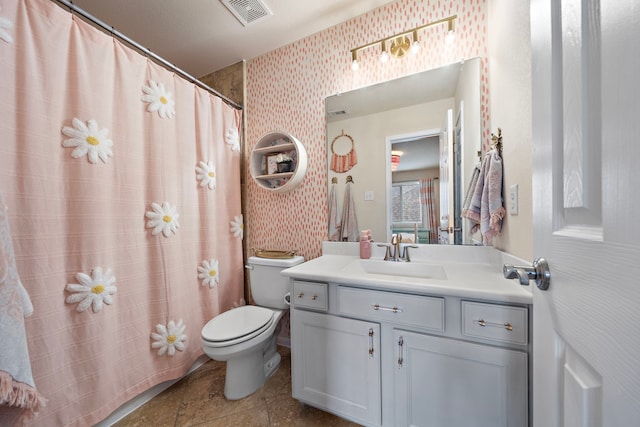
[(345, 135)]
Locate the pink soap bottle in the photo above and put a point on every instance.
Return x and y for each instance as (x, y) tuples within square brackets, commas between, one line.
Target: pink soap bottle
[(365, 244)]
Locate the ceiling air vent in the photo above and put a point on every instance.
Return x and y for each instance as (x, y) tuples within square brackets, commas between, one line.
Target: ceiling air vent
[(338, 113), (247, 11)]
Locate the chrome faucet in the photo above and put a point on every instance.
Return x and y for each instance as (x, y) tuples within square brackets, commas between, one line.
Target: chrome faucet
[(399, 253), (396, 239)]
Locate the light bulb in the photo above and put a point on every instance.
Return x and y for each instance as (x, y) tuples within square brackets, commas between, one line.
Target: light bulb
[(354, 60), (384, 55), (450, 37), (415, 47)]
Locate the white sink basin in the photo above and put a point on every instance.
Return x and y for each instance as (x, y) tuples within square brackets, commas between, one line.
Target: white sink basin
[(403, 269)]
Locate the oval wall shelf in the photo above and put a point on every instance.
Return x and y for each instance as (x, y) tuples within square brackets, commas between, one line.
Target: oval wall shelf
[(266, 172)]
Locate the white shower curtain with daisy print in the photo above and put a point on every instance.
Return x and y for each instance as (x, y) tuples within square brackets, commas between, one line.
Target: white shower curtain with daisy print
[(122, 187)]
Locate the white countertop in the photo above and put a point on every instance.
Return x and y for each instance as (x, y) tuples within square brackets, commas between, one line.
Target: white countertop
[(471, 272)]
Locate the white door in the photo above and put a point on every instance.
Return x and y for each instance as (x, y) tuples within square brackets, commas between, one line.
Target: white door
[(445, 232), (586, 198)]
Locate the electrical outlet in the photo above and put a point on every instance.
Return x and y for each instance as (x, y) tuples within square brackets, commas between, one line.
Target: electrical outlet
[(368, 195), (513, 200)]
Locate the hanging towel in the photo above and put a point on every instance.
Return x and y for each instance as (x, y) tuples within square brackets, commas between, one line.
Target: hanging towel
[(349, 223), (334, 223), (486, 209), (472, 187), (17, 387)]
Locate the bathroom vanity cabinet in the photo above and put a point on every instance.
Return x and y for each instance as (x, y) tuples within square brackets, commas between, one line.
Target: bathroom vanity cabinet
[(383, 358)]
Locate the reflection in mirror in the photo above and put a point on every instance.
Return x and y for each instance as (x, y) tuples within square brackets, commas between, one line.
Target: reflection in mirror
[(433, 119)]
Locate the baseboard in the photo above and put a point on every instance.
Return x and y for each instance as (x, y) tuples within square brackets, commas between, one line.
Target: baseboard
[(135, 403), (284, 341)]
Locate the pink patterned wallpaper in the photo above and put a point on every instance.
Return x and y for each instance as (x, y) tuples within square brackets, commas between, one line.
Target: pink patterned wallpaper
[(286, 89)]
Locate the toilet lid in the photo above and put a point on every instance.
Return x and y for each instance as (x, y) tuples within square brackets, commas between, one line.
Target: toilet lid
[(237, 323)]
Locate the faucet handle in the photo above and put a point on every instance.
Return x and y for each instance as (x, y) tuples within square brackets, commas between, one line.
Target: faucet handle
[(387, 254), (405, 254)]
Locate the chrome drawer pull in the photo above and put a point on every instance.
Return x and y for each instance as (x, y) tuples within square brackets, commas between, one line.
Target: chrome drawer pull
[(301, 295), (370, 342), (382, 308), (484, 323), (315, 297), (400, 344)]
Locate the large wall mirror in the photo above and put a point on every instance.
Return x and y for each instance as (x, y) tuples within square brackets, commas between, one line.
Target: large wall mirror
[(419, 133)]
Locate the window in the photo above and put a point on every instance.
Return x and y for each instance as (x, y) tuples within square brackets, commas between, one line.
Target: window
[(406, 208)]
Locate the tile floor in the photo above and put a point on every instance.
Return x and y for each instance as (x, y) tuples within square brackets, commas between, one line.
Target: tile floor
[(198, 400)]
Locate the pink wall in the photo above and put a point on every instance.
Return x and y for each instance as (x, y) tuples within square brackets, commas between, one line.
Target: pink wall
[(286, 89)]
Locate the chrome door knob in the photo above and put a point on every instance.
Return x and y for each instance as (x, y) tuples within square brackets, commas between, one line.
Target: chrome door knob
[(539, 271)]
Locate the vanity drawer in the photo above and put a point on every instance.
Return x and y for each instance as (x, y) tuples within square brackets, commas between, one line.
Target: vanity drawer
[(414, 310), (495, 322), (310, 295)]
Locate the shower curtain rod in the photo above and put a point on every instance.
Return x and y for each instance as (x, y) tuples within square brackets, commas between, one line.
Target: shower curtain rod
[(146, 51)]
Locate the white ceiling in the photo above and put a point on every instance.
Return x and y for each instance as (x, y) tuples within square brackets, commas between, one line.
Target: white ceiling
[(202, 36), (419, 88)]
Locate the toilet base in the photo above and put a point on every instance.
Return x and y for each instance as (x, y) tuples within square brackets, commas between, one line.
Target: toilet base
[(271, 365), (247, 373)]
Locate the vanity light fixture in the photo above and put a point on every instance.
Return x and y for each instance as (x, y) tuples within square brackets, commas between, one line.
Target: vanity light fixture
[(384, 55), (451, 32), (355, 65), (400, 44), (415, 46)]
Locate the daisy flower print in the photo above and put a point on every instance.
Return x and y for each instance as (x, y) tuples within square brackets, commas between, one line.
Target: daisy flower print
[(237, 227), (159, 99), (169, 338), (233, 139), (93, 290), (163, 219), (208, 272), (5, 24), (206, 174), (88, 140)]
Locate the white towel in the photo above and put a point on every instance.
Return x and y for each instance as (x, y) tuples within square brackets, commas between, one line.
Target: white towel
[(349, 222), (334, 223), (486, 209), (17, 387), (472, 187)]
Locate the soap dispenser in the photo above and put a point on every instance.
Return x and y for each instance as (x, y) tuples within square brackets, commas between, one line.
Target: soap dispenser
[(365, 244)]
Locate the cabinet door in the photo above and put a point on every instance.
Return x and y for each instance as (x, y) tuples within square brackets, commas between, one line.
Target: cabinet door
[(335, 365), (446, 382)]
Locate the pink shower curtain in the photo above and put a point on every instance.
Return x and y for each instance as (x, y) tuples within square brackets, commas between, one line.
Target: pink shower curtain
[(427, 195), (122, 182)]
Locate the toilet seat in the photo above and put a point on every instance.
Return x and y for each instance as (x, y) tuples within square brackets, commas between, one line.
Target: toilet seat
[(236, 325)]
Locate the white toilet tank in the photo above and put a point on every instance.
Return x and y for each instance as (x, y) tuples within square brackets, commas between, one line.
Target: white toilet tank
[(268, 286)]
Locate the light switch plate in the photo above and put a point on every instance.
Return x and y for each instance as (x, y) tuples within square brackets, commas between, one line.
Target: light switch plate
[(368, 195), (513, 200)]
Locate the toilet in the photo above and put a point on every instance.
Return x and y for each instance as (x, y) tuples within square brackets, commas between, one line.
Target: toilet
[(245, 337)]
